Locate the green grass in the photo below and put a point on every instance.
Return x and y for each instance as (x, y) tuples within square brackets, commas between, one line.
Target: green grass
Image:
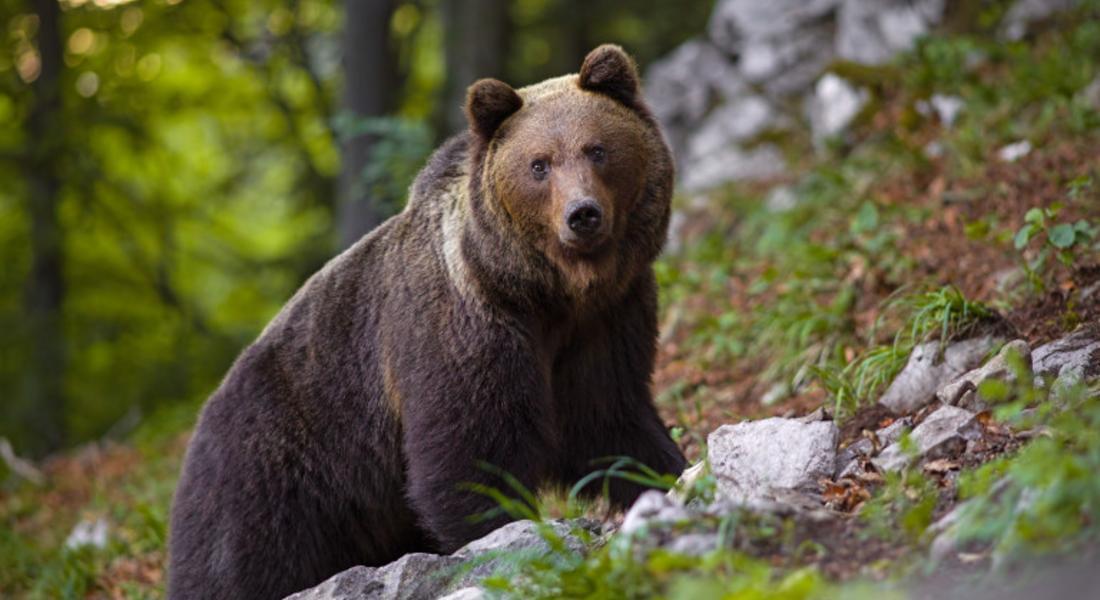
[(943, 314), (1046, 498)]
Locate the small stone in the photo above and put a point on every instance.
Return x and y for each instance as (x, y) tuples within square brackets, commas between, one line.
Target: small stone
[(780, 200), (1015, 151), (851, 468), (847, 459), (466, 593), (817, 414), (946, 539), (925, 373), (1091, 94), (893, 432), (944, 432), (684, 485), (755, 458), (947, 108), (88, 533), (693, 544), (962, 390), (652, 507), (834, 104)]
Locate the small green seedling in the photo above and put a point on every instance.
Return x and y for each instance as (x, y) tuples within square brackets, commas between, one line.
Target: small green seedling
[(1063, 241)]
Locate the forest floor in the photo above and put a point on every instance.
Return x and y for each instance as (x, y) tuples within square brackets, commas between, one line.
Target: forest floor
[(777, 299)]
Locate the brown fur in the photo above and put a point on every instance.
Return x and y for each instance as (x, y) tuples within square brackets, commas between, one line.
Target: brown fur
[(464, 329)]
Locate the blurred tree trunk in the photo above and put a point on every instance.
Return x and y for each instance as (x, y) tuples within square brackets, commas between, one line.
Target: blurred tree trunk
[(476, 46), (578, 33), (371, 83), (43, 383)]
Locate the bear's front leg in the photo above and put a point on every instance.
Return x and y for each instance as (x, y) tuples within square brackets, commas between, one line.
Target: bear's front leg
[(471, 405)]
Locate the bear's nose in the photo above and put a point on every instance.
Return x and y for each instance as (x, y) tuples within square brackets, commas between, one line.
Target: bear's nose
[(584, 217)]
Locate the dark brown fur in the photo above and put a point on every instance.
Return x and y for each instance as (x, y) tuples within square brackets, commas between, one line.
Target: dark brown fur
[(461, 330)]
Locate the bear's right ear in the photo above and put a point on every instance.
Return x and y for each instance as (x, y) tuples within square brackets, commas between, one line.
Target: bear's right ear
[(488, 103)]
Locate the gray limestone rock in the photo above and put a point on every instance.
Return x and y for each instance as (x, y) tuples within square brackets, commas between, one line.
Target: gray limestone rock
[(411, 577), (1076, 355), (693, 544), (942, 433), (734, 20), (1025, 12), (962, 391), (466, 593), (926, 372), (524, 535), (873, 31), (754, 459), (652, 507), (834, 104)]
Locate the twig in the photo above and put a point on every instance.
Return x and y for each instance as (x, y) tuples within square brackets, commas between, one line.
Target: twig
[(19, 466)]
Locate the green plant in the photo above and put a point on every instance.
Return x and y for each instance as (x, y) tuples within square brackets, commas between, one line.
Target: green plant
[(1063, 241), (903, 507), (397, 153), (1045, 497), (943, 313)]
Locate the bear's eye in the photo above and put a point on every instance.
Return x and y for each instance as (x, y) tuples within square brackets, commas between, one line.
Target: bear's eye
[(597, 154), (540, 168)]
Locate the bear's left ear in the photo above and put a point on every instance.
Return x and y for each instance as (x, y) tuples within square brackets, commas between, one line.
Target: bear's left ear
[(610, 71)]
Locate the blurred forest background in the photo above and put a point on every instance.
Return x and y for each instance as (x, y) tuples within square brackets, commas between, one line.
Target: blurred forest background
[(858, 179), (173, 169)]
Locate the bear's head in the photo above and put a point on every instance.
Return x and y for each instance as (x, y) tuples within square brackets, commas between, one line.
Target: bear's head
[(574, 178)]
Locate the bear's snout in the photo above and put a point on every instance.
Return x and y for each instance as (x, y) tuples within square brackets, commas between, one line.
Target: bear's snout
[(584, 224)]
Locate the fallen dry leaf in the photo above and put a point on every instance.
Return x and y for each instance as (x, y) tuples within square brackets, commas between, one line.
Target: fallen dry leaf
[(940, 465)]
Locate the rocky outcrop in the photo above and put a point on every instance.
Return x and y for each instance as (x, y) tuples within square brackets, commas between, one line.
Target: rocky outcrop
[(963, 391), (760, 68), (930, 367), (943, 433)]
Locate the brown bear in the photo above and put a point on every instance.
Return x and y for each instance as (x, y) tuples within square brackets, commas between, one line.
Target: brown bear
[(507, 316)]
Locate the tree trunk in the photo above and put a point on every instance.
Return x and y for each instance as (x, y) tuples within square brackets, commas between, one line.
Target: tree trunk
[(43, 383), (370, 90), (476, 45)]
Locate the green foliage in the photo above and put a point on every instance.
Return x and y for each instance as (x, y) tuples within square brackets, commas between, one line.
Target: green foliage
[(1063, 241), (195, 146), (902, 508), (1040, 100), (944, 314), (621, 569), (625, 468), (1046, 497), (196, 172), (132, 500), (398, 151)]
